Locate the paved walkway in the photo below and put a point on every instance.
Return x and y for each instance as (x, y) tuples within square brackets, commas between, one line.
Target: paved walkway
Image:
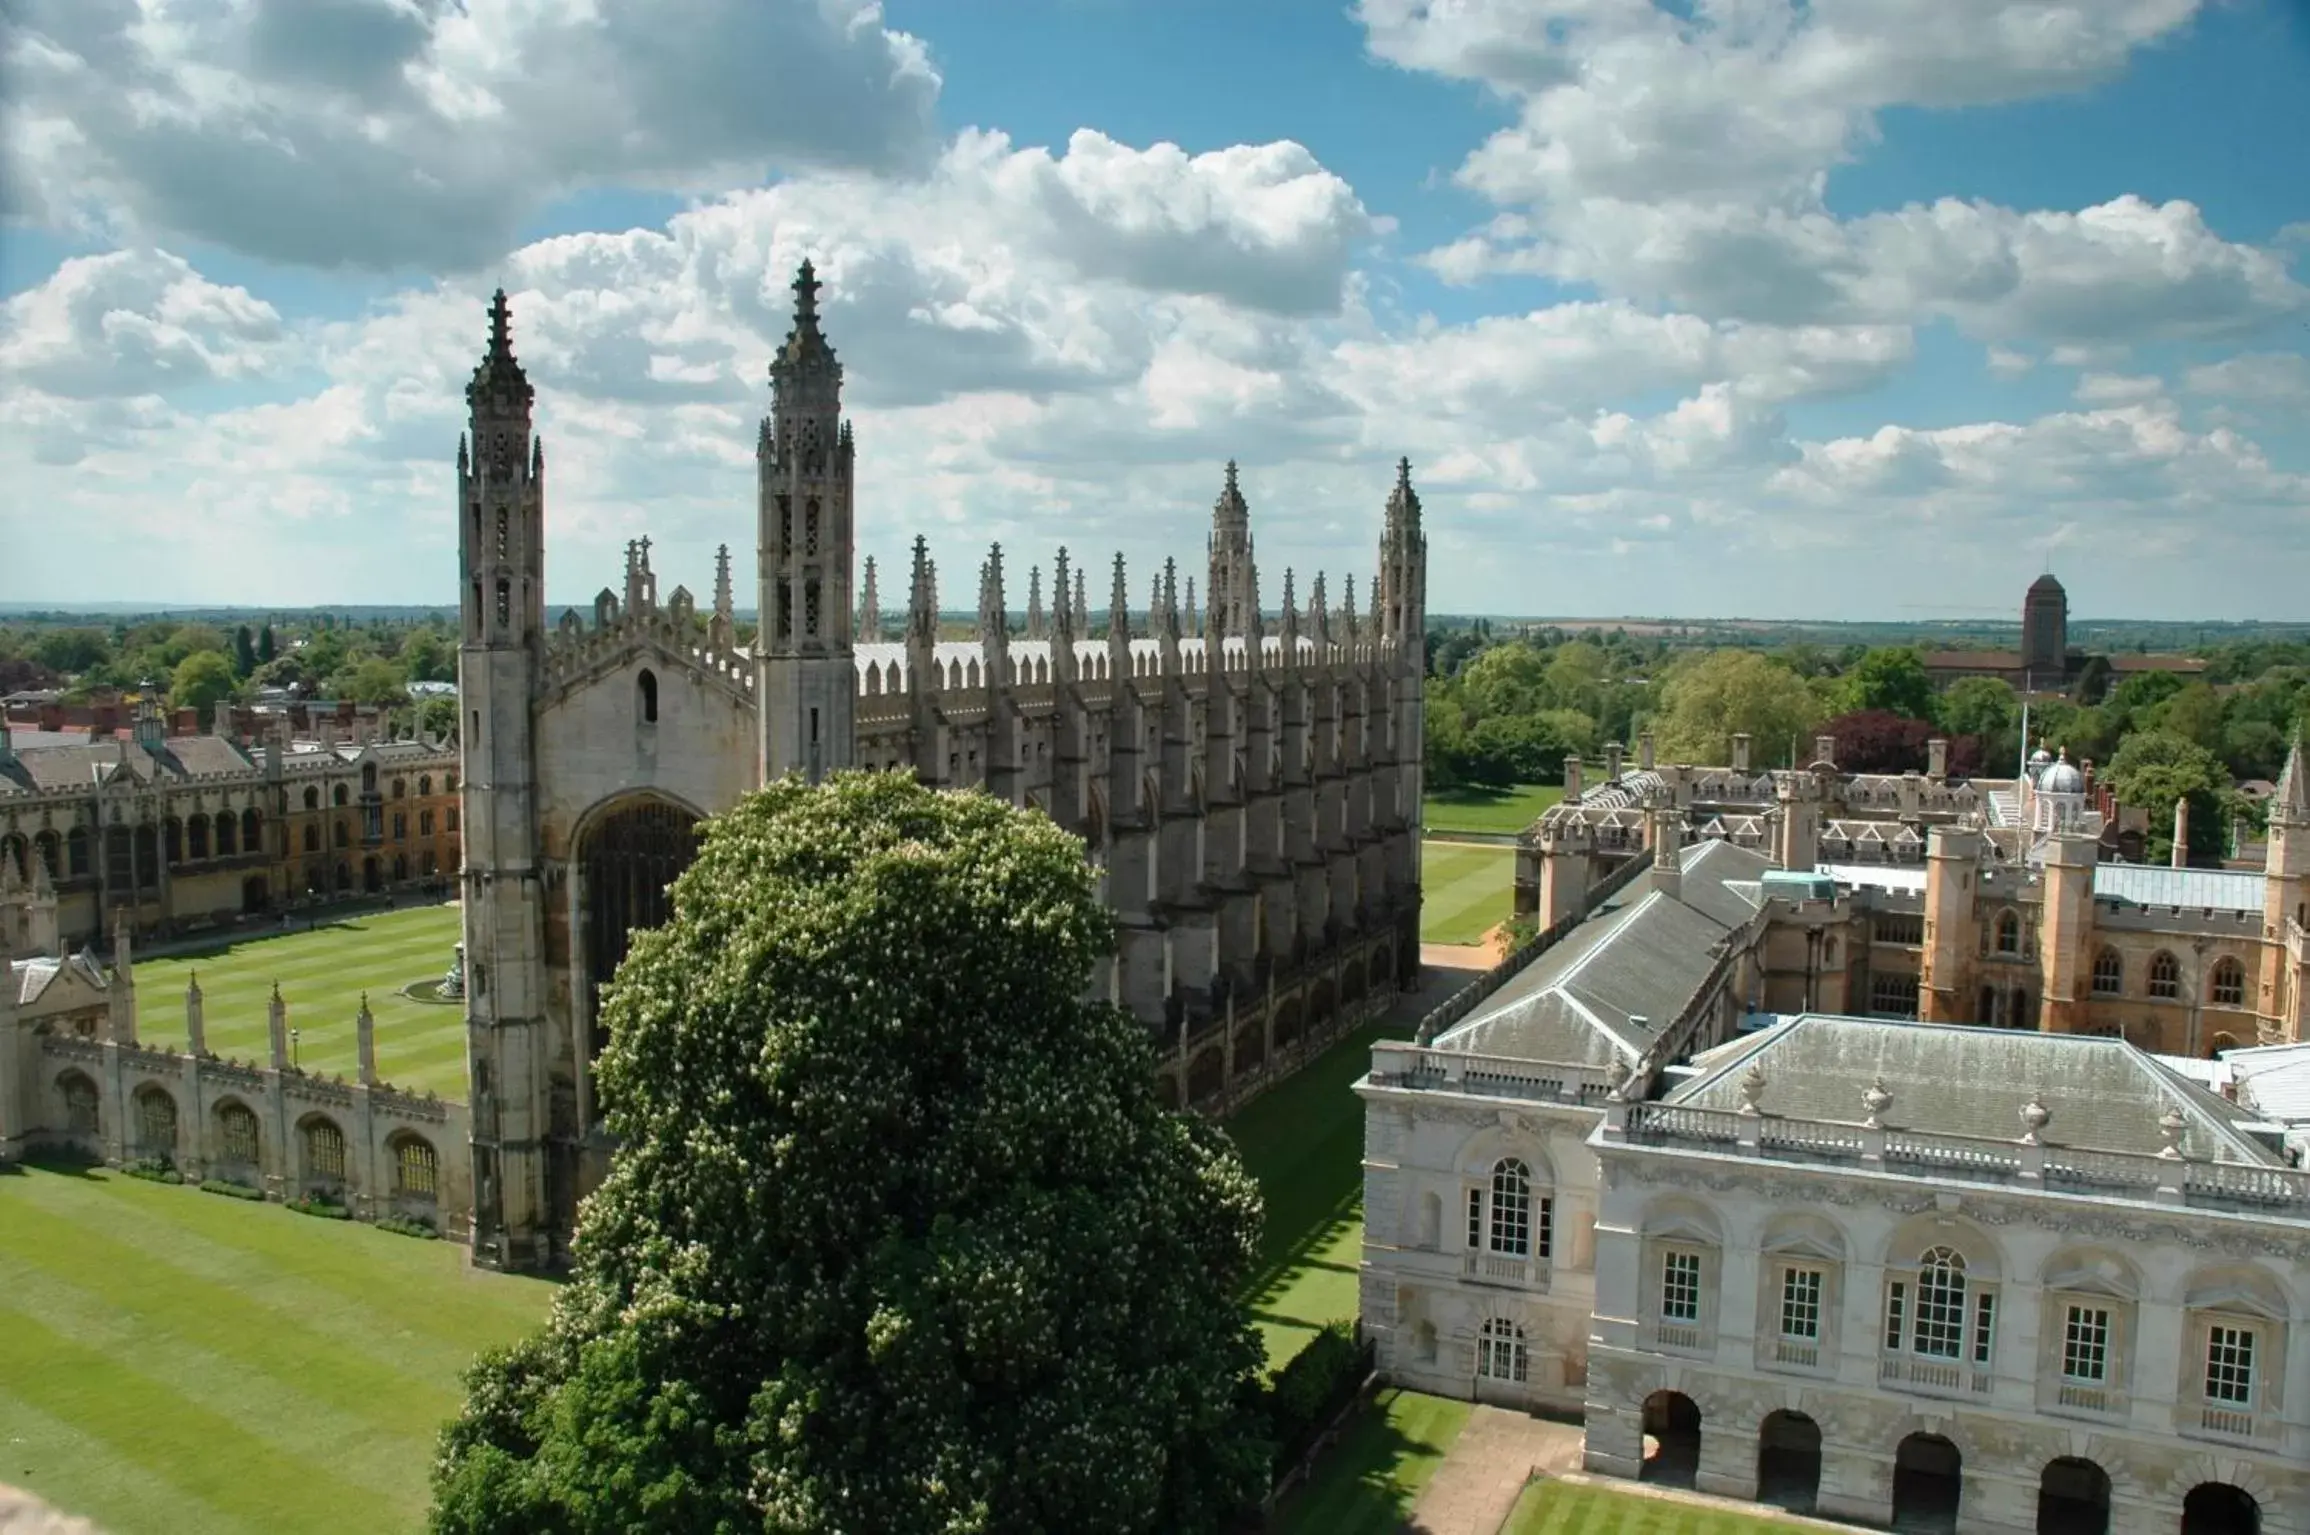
[(1485, 1471)]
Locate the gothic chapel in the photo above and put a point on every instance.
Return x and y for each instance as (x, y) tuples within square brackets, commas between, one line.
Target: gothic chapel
[(1247, 784)]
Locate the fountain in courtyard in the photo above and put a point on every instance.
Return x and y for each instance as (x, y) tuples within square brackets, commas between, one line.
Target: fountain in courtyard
[(453, 983)]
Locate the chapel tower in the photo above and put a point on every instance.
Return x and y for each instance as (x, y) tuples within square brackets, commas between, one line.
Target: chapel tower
[(501, 570), (2285, 981), (806, 678), (1400, 604), (1230, 608)]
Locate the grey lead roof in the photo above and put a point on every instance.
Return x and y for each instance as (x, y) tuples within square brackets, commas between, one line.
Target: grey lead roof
[(2151, 884), (1642, 956), (2104, 1094)]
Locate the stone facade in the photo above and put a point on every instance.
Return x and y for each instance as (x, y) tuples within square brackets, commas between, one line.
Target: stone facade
[(1248, 785), (1990, 901), (271, 1127), (1645, 1177), (187, 832)]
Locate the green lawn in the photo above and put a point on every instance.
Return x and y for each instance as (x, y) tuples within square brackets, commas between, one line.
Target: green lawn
[(1304, 1141), (322, 974), (1367, 1484), (171, 1361), (1465, 890), (176, 1363), (1560, 1508), (1488, 810)]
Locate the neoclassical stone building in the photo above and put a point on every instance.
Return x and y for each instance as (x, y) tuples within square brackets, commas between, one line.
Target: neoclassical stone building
[(1958, 1277), (184, 832), (1247, 783), (1989, 901)]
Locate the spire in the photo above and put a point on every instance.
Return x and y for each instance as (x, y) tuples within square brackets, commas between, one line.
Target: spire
[(994, 616), (1118, 604), (1254, 632), (922, 597), (2291, 799), (1082, 603), (1319, 617), (1347, 610), (1403, 501), (723, 610), (1063, 630), (1035, 603), (1230, 512), (869, 606), (500, 374), (1377, 631), (1193, 628), (805, 342), (1288, 627)]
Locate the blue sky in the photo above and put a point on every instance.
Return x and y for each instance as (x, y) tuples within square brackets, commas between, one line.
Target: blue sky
[(1725, 309)]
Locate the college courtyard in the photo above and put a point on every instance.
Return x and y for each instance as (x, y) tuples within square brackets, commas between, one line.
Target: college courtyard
[(173, 1361)]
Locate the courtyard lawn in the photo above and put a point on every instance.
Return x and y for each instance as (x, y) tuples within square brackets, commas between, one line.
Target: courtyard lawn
[(1303, 1140), (1370, 1478), (322, 973), (174, 1363), (1488, 810), (1465, 890), (1563, 1508)]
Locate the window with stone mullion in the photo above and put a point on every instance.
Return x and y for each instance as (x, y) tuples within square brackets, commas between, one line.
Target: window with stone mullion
[(1801, 1304), (2230, 1365), (2085, 1344)]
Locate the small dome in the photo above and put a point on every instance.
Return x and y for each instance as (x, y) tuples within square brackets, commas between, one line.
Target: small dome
[(2040, 758), (2061, 778)]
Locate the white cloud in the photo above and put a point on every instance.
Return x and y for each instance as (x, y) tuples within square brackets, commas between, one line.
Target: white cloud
[(379, 133), (2118, 388), (133, 322), (2279, 378), (1684, 162)]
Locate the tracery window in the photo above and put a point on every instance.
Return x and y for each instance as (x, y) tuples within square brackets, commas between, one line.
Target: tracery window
[(416, 1170), (1501, 1353), (2228, 987), (156, 1124), (2165, 976), (238, 1131), (81, 1116), (324, 1151), (2008, 933), (2109, 973)]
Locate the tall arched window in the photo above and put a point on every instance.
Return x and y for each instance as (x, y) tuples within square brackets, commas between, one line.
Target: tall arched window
[(2165, 976), (1939, 1327), (339, 795), (2109, 973), (1500, 1351), (196, 837), (2008, 933), (312, 798), (225, 834), (1511, 1225), (2228, 986), (416, 1171), (324, 1152), (646, 692), (81, 1114), (238, 1134)]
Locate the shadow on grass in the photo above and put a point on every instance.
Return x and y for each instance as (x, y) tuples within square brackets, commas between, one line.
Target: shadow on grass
[(62, 1165), (1362, 1484)]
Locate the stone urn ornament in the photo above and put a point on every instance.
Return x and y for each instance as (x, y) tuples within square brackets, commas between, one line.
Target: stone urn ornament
[(1876, 1100), (2171, 1124), (1753, 1089), (2035, 1116)]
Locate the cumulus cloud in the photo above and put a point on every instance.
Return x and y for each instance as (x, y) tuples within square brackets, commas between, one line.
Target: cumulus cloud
[(2277, 378), (134, 322), (382, 133), (1682, 159)]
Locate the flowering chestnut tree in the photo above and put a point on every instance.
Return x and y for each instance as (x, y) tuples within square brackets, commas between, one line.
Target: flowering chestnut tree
[(897, 1237)]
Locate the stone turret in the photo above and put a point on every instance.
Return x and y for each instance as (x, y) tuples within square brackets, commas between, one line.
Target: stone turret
[(365, 1042), (722, 628), (2284, 988), (1035, 627), (277, 1028), (195, 1021), (1064, 632), (120, 995)]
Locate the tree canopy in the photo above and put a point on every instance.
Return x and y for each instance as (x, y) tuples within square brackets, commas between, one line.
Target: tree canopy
[(1718, 694), (2153, 769), (897, 1236)]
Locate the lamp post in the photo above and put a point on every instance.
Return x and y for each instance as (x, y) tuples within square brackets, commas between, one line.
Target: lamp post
[(293, 1051)]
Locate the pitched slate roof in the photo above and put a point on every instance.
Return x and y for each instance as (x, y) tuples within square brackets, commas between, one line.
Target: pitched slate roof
[(2104, 1094), (1642, 957)]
